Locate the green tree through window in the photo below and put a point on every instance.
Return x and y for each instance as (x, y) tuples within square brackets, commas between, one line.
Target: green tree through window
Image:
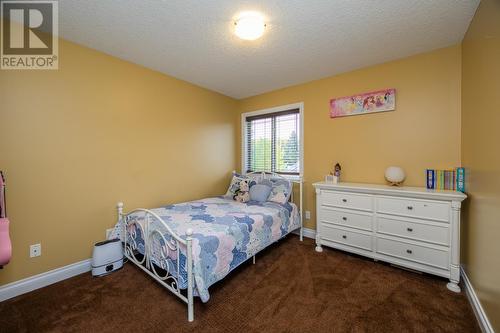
[(272, 142)]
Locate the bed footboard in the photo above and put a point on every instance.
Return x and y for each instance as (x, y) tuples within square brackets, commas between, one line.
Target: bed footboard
[(141, 241)]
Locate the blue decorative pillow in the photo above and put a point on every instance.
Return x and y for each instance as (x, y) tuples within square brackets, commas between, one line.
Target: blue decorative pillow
[(281, 190), (259, 192)]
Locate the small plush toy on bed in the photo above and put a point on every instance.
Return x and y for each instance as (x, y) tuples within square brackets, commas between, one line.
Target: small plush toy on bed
[(242, 193)]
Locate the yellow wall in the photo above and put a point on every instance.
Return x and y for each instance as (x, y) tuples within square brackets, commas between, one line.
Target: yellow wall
[(75, 141), (480, 147), (423, 132)]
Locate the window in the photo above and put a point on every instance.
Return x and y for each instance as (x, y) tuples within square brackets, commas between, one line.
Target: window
[(272, 140)]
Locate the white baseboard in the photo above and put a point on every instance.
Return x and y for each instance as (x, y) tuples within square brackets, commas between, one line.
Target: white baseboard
[(31, 283), (484, 323), (306, 232)]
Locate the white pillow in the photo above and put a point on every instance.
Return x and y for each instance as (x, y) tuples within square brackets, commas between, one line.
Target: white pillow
[(281, 190), (234, 186)]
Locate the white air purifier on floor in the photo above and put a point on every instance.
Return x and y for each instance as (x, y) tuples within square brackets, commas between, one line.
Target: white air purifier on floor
[(107, 257)]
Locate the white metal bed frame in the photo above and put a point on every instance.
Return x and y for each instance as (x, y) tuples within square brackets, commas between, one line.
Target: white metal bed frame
[(172, 248)]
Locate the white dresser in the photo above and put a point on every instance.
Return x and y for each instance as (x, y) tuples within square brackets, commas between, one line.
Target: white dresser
[(408, 226)]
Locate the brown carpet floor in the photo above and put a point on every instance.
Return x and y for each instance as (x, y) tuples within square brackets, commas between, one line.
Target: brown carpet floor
[(290, 289)]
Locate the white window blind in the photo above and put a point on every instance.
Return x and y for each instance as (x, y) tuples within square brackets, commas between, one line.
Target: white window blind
[(272, 142)]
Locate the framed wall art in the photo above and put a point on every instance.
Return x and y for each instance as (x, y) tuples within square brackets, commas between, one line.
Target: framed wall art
[(376, 101)]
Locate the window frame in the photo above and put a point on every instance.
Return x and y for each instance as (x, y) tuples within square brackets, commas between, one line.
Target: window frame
[(281, 108)]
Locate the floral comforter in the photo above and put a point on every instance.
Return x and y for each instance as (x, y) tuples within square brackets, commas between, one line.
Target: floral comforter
[(225, 234)]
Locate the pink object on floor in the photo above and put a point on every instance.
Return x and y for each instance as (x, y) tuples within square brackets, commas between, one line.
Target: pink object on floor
[(5, 244)]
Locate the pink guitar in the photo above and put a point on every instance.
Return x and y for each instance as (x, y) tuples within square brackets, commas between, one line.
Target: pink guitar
[(5, 244)]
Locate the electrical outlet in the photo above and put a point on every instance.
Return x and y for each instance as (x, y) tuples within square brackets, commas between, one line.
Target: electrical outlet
[(108, 232), (35, 250), (308, 215)]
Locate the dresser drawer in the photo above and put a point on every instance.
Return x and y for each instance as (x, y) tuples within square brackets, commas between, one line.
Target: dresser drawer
[(347, 200), (347, 218), (433, 210), (436, 232), (347, 237), (431, 256)]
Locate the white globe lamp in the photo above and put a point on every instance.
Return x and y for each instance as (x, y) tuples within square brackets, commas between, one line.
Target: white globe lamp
[(395, 175)]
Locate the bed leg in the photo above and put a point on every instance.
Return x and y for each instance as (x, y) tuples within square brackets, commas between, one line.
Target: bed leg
[(253, 259), (189, 248), (301, 186), (119, 208)]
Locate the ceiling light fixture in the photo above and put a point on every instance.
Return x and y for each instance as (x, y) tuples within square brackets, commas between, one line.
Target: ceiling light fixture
[(249, 26)]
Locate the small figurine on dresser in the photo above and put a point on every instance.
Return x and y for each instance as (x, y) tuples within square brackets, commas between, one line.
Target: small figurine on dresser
[(337, 169), (334, 176)]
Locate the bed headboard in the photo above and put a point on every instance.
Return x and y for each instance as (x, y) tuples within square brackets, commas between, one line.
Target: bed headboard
[(265, 175)]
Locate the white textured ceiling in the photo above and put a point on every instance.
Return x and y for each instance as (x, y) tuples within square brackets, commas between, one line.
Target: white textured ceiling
[(304, 40)]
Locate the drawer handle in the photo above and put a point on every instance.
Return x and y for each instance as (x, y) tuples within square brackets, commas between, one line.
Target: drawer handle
[(409, 229), (344, 218), (410, 207), (409, 251), (344, 200), (344, 236)]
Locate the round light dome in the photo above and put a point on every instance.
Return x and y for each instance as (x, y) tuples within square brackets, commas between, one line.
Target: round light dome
[(249, 26), (395, 175)]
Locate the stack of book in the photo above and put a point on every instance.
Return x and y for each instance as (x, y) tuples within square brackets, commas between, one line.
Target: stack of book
[(446, 179)]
